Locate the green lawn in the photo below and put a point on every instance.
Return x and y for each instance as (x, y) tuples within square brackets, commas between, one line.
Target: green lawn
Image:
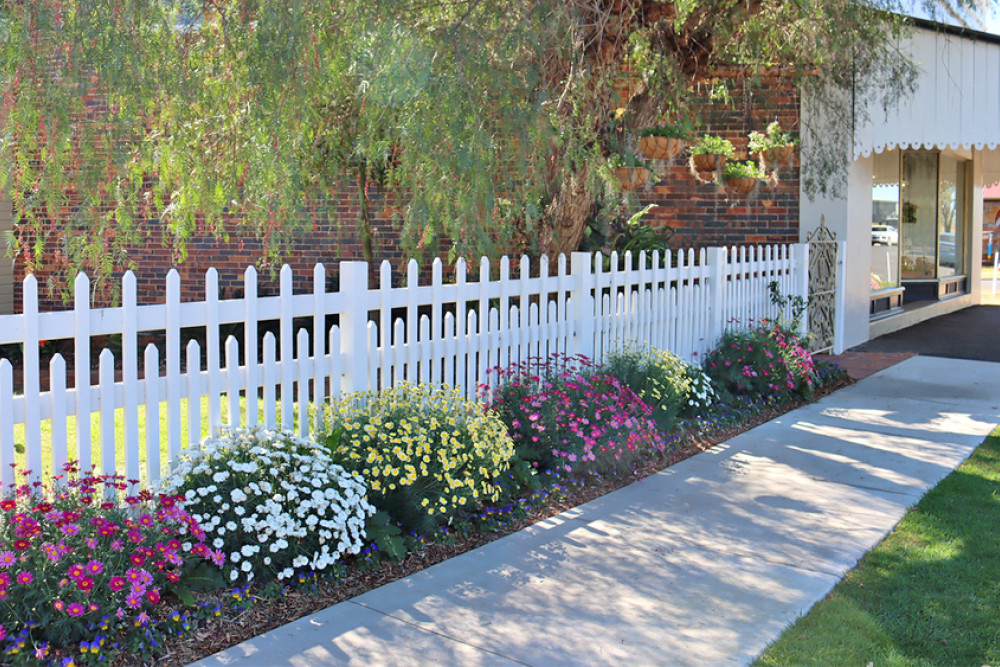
[(929, 594), (95, 431)]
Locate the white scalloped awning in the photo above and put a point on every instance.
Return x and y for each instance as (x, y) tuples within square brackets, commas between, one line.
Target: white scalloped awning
[(956, 104)]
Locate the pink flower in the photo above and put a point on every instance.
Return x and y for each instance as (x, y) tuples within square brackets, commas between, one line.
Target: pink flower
[(75, 571), (7, 558), (116, 583), (76, 609), (24, 578), (95, 567), (85, 584)]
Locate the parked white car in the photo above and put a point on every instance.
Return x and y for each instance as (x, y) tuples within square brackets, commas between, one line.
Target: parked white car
[(884, 235)]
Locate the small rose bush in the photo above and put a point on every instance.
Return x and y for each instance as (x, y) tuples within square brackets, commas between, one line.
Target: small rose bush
[(670, 386), (571, 417), (426, 451), (79, 555), (271, 502), (766, 358)]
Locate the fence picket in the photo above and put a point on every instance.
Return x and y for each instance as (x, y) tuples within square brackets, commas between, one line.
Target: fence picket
[(270, 380), (212, 349), (193, 393), (81, 368), (106, 401), (335, 368), (305, 371), (7, 460), (233, 383), (32, 367), (151, 377), (173, 364), (287, 341), (57, 384), (250, 343), (319, 340), (130, 372)]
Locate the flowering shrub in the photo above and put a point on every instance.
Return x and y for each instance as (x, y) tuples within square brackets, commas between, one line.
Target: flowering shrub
[(666, 383), (568, 416), (78, 556), (765, 359), (271, 502), (425, 450)]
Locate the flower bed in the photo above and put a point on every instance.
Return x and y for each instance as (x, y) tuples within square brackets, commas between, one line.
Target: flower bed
[(346, 515)]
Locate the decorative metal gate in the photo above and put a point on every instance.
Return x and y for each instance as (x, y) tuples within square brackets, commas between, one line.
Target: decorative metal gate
[(823, 266)]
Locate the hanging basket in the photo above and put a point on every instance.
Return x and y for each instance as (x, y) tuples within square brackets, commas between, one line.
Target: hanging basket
[(661, 148), (741, 186), (631, 177), (775, 157), (707, 165)]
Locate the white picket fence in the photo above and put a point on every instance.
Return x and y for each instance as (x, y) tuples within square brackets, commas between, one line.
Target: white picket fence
[(438, 332)]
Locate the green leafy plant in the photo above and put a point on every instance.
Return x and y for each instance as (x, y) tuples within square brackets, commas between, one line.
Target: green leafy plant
[(661, 379), (676, 126), (712, 145), (743, 169), (629, 159), (426, 451), (796, 303), (272, 502), (772, 137)]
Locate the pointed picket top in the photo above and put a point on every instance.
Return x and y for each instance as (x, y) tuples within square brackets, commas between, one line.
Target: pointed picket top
[(461, 270), (319, 275), (250, 275), (412, 273), (211, 278), (504, 267), (30, 284), (437, 270), (128, 281), (484, 269), (173, 280), (385, 274), (598, 262), (81, 289), (562, 262), (543, 266), (525, 266), (285, 275)]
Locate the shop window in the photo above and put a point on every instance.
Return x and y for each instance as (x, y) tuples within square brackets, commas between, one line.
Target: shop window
[(919, 223)]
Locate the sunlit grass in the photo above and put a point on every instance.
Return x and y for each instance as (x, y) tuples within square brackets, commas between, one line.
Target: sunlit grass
[(929, 594)]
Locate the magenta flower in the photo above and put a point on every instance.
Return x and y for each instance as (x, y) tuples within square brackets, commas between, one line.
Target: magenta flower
[(95, 567), (76, 609), (117, 583), (24, 578), (7, 558)]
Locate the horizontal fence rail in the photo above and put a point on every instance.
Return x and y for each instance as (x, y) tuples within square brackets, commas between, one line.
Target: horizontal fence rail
[(269, 360)]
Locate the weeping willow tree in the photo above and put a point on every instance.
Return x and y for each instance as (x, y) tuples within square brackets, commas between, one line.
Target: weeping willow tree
[(489, 122)]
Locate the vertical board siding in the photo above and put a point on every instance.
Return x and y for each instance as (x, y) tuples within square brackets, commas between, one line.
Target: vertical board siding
[(359, 337)]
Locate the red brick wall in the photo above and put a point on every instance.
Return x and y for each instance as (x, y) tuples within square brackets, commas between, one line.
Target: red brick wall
[(702, 214)]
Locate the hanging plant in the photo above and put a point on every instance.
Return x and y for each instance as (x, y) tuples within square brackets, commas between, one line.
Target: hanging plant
[(774, 146), (666, 139), (709, 155), (743, 177), (632, 173)]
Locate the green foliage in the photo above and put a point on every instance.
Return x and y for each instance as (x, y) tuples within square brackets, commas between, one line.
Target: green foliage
[(425, 451), (763, 359), (773, 137), (144, 121), (796, 304), (673, 124), (743, 169), (661, 379), (712, 145)]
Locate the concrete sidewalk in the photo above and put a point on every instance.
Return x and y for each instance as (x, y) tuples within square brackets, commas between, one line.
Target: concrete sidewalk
[(703, 563)]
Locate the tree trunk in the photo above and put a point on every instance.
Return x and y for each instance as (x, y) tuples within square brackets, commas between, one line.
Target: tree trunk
[(568, 215)]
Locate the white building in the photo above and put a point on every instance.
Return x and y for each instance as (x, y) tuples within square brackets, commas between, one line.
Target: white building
[(911, 215)]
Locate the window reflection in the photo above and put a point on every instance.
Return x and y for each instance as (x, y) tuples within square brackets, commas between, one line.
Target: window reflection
[(885, 221)]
